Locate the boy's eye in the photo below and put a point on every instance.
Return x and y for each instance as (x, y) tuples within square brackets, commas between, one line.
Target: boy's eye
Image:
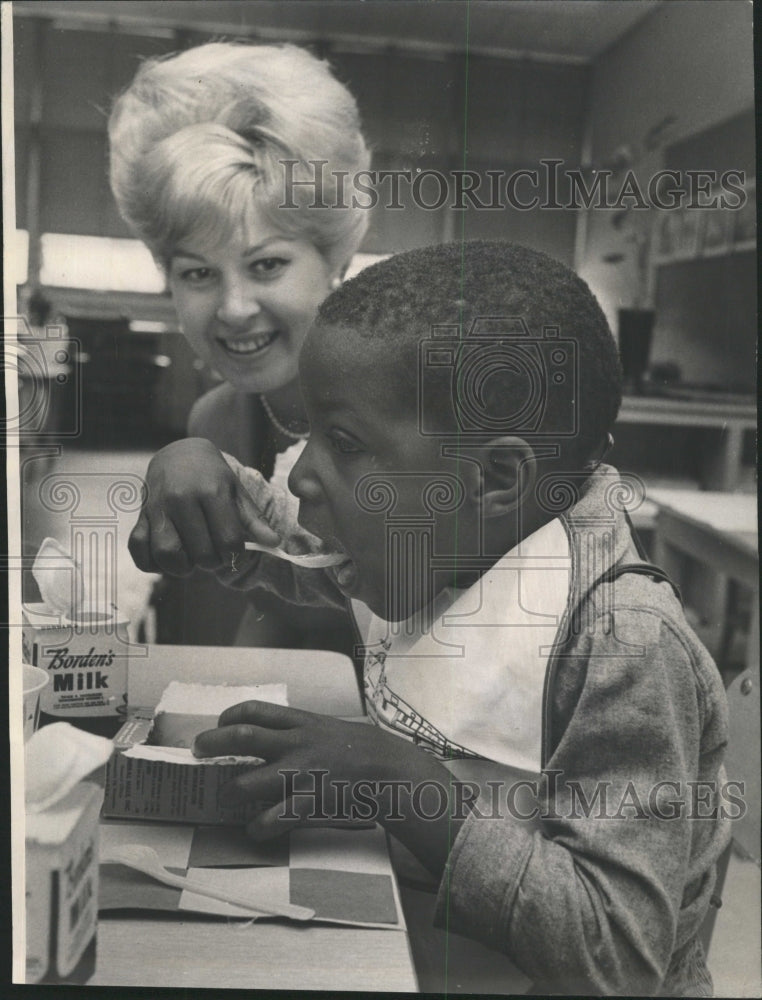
[(344, 444)]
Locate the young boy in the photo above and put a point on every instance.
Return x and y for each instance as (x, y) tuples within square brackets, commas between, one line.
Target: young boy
[(460, 401)]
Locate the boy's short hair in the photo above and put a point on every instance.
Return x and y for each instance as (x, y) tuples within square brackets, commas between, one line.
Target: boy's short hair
[(197, 138), (400, 302)]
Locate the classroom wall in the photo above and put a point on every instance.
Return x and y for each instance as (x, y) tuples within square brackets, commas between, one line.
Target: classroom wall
[(420, 111), (482, 114), (691, 60)]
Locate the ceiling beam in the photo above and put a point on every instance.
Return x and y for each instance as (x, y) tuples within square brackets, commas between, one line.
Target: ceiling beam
[(87, 16)]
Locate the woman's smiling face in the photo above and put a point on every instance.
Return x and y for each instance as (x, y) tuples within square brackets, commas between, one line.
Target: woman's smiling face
[(246, 306)]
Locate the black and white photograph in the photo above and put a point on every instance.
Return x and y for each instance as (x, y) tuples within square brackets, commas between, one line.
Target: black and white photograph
[(382, 560), (745, 232), (715, 233)]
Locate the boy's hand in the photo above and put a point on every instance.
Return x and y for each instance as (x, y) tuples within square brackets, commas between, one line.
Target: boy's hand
[(361, 763), (293, 740), (195, 513)]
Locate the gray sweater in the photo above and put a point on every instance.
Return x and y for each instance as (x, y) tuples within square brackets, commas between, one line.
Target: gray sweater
[(607, 895)]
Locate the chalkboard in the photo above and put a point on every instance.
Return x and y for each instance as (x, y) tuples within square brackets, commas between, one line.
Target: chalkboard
[(706, 307), (706, 320)]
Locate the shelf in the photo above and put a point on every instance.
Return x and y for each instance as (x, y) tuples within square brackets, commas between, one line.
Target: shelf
[(705, 439), (701, 412)]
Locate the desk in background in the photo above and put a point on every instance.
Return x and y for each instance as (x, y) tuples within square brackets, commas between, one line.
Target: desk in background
[(719, 450), (719, 531)]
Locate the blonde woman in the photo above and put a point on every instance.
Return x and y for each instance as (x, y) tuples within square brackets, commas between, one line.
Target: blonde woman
[(204, 147)]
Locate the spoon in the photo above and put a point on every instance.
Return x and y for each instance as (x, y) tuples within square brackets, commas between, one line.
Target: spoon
[(308, 560), (145, 859)]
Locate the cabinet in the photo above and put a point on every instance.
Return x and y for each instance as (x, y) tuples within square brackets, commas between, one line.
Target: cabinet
[(701, 443), (137, 388), (695, 445)]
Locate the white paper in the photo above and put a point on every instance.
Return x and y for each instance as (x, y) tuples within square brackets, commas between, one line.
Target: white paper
[(171, 841), (181, 755), (212, 699)]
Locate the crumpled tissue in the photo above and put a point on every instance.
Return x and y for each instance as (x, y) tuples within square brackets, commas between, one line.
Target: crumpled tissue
[(59, 578), (57, 757)]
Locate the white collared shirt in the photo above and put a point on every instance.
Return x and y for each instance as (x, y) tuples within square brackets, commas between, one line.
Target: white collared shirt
[(472, 684)]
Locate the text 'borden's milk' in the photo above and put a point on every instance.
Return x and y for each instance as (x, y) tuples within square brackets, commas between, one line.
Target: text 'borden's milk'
[(86, 659)]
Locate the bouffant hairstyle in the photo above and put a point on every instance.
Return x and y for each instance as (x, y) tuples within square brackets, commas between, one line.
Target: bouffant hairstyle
[(198, 140), (489, 336)]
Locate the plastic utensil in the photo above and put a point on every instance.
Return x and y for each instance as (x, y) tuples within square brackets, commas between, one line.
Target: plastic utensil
[(145, 859), (309, 560)]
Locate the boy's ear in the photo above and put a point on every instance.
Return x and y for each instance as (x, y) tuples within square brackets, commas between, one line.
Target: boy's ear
[(509, 474)]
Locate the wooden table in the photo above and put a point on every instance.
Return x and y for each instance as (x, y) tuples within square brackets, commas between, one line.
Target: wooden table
[(197, 953), (317, 680), (194, 952), (718, 529)]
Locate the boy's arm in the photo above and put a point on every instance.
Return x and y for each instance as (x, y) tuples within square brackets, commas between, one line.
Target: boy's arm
[(591, 902)]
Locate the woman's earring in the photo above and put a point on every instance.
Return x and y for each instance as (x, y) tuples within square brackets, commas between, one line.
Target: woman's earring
[(335, 283)]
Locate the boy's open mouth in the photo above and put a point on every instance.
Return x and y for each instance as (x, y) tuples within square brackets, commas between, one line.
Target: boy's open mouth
[(246, 347), (343, 572)]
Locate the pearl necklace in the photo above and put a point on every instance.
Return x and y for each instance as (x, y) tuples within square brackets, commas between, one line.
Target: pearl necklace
[(278, 425)]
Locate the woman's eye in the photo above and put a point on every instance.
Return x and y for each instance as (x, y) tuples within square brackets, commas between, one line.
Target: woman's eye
[(195, 275), (268, 266)]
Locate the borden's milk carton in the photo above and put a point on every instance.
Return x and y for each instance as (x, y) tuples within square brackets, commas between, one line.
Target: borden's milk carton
[(82, 643), (86, 658)]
